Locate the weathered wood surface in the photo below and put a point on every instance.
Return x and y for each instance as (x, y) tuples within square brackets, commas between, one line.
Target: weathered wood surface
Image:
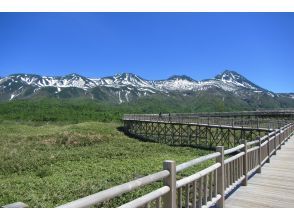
[(274, 187)]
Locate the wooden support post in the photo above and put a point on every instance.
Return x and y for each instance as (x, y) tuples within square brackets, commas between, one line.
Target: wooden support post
[(275, 143), (280, 138), (259, 155), (220, 177), (170, 181), (268, 149), (245, 166)]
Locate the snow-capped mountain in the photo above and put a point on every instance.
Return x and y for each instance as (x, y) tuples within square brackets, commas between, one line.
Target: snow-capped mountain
[(286, 95), (119, 88), (71, 80)]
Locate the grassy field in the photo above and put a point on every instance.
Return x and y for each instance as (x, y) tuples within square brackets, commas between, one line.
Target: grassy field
[(47, 164)]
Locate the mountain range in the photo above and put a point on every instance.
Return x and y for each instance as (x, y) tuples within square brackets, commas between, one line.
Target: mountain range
[(128, 87)]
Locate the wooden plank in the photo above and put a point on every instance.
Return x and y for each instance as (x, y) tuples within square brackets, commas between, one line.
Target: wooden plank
[(273, 188)]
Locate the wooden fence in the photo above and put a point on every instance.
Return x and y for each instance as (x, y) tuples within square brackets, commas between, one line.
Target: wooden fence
[(205, 188), (242, 122)]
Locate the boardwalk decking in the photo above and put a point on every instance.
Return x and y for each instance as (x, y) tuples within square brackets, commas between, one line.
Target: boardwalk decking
[(274, 187)]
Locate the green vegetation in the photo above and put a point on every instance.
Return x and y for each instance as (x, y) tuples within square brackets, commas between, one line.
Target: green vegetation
[(49, 164), (81, 110), (53, 151)]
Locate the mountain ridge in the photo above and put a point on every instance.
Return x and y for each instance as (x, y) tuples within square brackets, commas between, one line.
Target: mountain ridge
[(125, 87)]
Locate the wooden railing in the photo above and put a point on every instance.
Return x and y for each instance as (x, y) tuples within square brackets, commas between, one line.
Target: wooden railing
[(267, 123), (259, 113), (208, 187)]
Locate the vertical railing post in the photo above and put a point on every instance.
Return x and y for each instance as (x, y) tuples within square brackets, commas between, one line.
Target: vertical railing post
[(169, 200), (268, 149), (245, 166), (280, 138), (286, 134), (259, 155), (220, 177), (275, 143)]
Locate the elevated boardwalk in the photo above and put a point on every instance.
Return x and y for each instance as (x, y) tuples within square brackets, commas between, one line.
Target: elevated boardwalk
[(273, 188), (242, 146)]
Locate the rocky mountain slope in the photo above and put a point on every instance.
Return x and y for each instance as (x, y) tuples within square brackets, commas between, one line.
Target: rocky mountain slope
[(128, 87)]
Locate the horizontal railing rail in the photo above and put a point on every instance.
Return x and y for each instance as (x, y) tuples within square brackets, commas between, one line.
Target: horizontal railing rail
[(116, 191)]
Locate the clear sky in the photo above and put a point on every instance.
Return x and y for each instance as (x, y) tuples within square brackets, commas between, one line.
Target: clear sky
[(259, 46)]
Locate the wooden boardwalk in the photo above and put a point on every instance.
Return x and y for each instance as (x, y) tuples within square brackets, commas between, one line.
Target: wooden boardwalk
[(273, 188)]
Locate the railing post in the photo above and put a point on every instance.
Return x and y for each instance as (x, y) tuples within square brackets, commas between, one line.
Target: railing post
[(169, 200), (220, 177), (259, 155), (280, 139), (245, 166), (268, 149), (275, 143)]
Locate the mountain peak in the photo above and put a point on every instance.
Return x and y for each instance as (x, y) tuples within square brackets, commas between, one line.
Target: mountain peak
[(229, 75), (234, 78), (125, 75), (181, 77), (72, 75)]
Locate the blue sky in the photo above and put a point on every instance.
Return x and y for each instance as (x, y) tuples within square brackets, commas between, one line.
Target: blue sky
[(259, 46)]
